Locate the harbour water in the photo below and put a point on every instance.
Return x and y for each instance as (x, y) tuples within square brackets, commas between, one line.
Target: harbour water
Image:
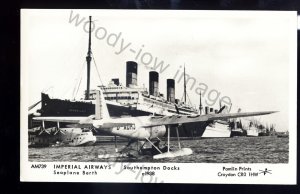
[(268, 149)]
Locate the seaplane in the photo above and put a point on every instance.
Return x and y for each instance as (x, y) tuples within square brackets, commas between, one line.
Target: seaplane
[(144, 128)]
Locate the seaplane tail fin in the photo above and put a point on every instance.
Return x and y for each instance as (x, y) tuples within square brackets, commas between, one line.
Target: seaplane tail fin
[(101, 110)]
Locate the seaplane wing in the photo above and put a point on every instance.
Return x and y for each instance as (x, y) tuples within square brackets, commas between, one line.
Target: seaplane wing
[(62, 119), (181, 119), (84, 122)]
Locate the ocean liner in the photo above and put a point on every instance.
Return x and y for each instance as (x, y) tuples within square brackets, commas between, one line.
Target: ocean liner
[(129, 100)]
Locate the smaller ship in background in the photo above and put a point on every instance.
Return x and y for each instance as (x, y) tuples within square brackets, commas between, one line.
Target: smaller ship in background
[(256, 128), (237, 128), (253, 127), (218, 128), (272, 130), (283, 134), (252, 130)]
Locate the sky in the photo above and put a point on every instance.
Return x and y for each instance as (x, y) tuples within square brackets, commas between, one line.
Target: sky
[(246, 56)]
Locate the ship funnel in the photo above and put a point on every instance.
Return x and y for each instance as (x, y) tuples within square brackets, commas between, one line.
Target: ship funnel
[(131, 74), (153, 83), (206, 110), (116, 81), (211, 110), (171, 90)]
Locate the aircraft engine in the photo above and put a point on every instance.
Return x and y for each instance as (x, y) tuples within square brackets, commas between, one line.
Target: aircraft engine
[(157, 131)]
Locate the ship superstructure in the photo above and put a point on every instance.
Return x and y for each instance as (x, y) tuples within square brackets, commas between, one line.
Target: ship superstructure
[(129, 100), (139, 99)]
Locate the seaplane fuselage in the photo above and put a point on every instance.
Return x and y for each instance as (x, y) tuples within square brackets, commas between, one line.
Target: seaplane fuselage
[(131, 127)]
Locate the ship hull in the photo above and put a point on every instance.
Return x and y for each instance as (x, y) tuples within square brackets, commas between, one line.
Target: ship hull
[(263, 134), (237, 133), (58, 107)]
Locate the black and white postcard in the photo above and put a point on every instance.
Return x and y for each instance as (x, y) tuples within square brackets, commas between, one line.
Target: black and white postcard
[(158, 96)]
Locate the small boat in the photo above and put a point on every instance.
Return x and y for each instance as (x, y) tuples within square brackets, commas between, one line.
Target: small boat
[(263, 133), (238, 132), (283, 135)]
